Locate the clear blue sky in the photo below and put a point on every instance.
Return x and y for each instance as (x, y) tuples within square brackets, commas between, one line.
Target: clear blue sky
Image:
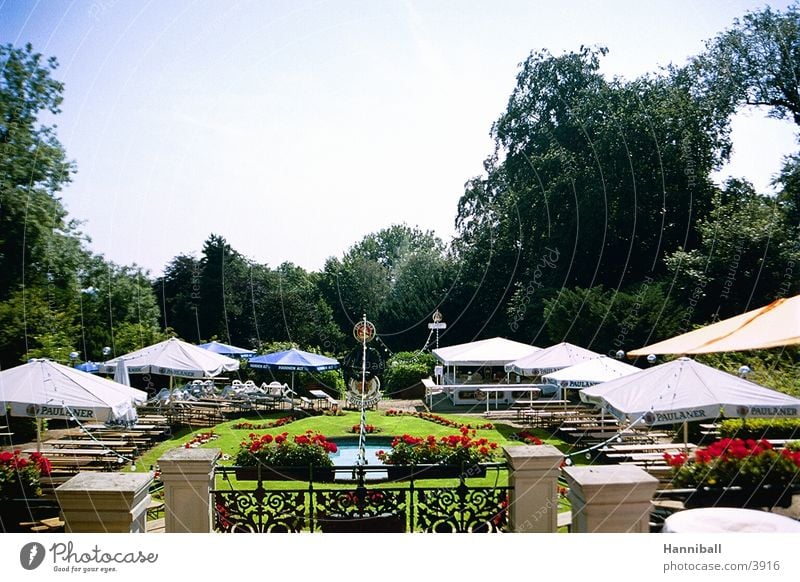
[(295, 128)]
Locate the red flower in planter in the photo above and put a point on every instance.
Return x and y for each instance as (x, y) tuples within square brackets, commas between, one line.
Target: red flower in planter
[(450, 450), (303, 450), (743, 462), (19, 476)]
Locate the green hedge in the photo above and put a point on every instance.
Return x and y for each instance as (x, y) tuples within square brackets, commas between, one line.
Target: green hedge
[(405, 369), (757, 428)]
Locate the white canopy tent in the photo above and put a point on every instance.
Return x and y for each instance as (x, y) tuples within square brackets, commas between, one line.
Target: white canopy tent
[(590, 372), (488, 353), (496, 351), (684, 391), (173, 357), (550, 359), (46, 389)]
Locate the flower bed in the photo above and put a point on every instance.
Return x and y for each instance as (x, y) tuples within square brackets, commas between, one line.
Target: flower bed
[(528, 438), (368, 429), (438, 419), (201, 438), (265, 425)]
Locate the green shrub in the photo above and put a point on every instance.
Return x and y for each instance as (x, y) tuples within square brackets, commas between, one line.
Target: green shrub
[(405, 369), (761, 428)]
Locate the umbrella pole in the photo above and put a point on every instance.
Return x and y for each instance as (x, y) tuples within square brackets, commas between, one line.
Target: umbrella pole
[(38, 434), (686, 436)]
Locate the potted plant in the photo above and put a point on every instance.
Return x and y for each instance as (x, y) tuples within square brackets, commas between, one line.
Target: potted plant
[(20, 489), (281, 457), (431, 457), (738, 473)]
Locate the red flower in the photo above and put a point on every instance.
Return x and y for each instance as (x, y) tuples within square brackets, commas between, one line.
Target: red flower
[(676, 460), (44, 465)]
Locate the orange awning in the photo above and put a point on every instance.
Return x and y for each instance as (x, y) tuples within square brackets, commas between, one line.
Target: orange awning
[(774, 325)]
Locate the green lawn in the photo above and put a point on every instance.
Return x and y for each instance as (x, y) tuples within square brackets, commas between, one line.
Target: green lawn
[(336, 426)]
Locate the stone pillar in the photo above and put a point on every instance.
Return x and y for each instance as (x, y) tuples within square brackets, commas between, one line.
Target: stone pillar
[(610, 498), (533, 501), (188, 476), (105, 502)]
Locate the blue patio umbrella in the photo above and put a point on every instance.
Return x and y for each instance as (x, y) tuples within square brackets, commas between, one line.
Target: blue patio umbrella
[(227, 350), (90, 367), (294, 360)]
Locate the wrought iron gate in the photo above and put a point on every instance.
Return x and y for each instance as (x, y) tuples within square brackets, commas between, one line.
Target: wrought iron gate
[(360, 506)]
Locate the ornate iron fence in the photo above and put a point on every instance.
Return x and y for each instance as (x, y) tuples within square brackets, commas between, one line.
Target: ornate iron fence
[(362, 506)]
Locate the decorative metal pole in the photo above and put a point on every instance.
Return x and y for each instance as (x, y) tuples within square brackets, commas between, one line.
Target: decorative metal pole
[(437, 325), (362, 427), (363, 331)]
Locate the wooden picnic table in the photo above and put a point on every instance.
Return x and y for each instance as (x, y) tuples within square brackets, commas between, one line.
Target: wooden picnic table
[(122, 446), (80, 459), (322, 397), (135, 427), (645, 458), (99, 454), (647, 447), (539, 403), (577, 422), (538, 416)]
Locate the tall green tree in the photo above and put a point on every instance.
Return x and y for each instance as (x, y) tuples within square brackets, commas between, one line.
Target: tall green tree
[(397, 277), (745, 258), (223, 297), (606, 320), (178, 294), (116, 307), (33, 168), (592, 182), (755, 62)]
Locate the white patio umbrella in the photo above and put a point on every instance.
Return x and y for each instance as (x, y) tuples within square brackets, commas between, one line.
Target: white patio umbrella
[(590, 372), (550, 359), (683, 391), (46, 389), (172, 358)]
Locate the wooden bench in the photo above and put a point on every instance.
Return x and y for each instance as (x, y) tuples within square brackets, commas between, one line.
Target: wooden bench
[(48, 525), (642, 457)]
